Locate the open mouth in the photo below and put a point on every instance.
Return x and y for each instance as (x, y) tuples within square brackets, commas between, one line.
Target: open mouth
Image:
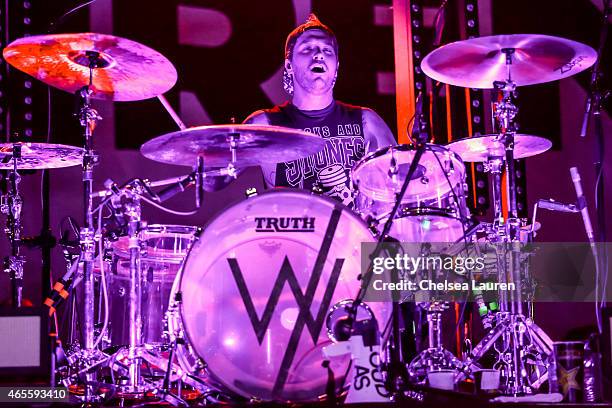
[(318, 69)]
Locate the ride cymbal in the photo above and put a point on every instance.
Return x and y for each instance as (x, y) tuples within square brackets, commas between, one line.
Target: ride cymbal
[(479, 62)]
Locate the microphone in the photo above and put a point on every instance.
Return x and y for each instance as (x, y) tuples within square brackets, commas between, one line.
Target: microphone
[(585, 118), (393, 168), (582, 204), (109, 184), (199, 181), (417, 126), (62, 288), (552, 205), (175, 188), (342, 328)]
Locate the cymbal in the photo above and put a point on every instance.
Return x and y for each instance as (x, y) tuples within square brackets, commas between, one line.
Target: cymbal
[(124, 70), (478, 62), (257, 145), (480, 148), (40, 156)]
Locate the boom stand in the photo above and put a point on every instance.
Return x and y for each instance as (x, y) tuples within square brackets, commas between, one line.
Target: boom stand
[(397, 373)]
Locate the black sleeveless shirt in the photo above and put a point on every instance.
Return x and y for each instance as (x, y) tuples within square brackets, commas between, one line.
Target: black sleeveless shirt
[(341, 126)]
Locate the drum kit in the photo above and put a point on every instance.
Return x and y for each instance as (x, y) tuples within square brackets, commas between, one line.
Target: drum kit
[(222, 310)]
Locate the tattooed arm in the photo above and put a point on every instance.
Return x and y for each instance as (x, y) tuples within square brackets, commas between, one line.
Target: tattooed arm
[(376, 132)]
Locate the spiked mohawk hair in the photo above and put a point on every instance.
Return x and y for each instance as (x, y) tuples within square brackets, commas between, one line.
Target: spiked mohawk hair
[(312, 23)]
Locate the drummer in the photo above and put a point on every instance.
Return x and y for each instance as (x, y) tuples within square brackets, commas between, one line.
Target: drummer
[(350, 132)]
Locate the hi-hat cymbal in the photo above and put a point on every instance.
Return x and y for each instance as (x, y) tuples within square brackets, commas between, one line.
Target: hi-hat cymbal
[(479, 62), (124, 70), (36, 156), (481, 148), (256, 145)]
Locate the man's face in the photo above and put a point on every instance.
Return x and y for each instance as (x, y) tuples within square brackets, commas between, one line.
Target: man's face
[(314, 62)]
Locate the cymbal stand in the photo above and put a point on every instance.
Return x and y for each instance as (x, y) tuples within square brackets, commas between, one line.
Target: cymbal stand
[(87, 117), (435, 357), (515, 338), (11, 205)]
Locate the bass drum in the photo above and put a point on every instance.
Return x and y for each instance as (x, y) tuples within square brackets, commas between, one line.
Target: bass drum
[(252, 298)]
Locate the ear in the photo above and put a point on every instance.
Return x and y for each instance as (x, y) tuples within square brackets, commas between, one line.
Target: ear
[(288, 65)]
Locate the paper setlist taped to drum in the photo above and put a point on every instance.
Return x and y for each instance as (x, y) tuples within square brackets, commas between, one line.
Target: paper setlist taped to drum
[(440, 272)]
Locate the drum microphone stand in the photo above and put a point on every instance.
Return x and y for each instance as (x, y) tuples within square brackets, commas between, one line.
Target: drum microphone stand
[(11, 205), (397, 375), (132, 210)]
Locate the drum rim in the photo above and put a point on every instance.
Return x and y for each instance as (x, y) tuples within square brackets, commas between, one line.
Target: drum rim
[(375, 195), (429, 147), (181, 273), (162, 231), (426, 210), (169, 228), (345, 209)]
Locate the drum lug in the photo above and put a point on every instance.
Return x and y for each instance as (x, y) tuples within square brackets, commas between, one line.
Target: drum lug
[(201, 365), (108, 255), (317, 188), (372, 224), (250, 192)]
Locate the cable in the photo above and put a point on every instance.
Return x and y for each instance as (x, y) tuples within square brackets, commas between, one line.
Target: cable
[(103, 280), (409, 126), (604, 275), (48, 140), (463, 227), (168, 210), (61, 18)]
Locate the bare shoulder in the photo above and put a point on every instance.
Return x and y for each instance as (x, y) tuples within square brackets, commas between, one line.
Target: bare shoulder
[(257, 118), (376, 131)]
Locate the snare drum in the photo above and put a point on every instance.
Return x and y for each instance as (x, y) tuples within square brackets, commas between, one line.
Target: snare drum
[(164, 248), (252, 298), (433, 208)]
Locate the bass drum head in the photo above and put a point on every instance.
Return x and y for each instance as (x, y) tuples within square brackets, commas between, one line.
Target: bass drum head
[(257, 286)]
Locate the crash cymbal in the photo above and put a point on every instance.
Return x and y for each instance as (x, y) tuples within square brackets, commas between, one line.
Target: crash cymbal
[(478, 62), (40, 156), (256, 145), (124, 70), (481, 148)]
